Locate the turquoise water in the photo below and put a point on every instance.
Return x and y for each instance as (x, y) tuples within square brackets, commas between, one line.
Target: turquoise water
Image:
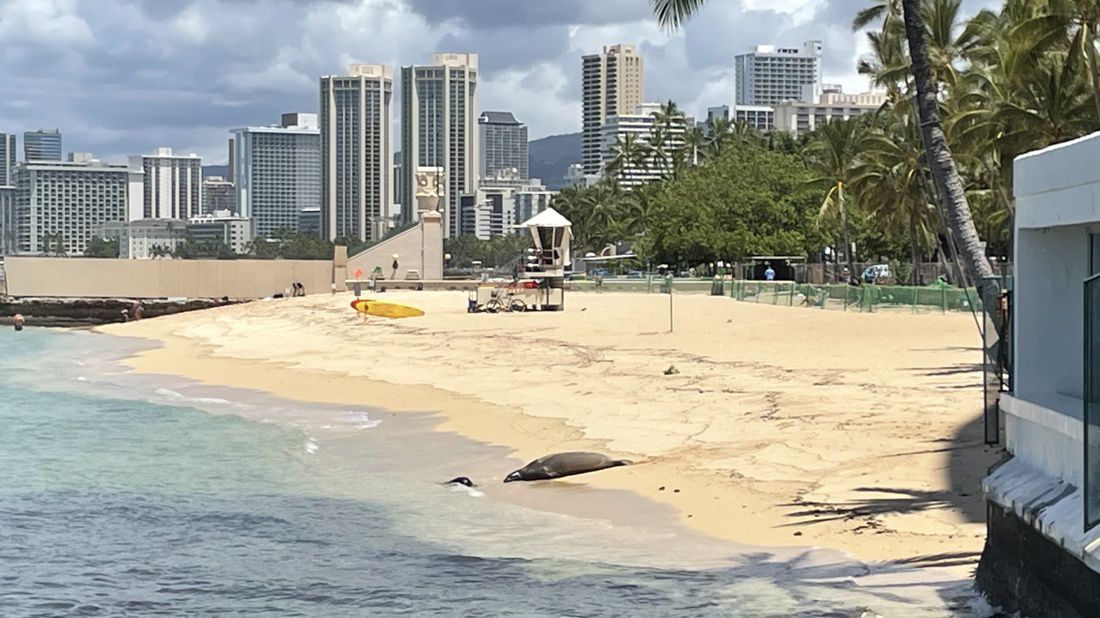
[(113, 502)]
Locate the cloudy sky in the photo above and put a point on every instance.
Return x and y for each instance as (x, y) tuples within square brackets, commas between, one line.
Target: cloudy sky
[(121, 77)]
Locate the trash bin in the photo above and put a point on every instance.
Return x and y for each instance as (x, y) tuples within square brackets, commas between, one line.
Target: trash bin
[(717, 287)]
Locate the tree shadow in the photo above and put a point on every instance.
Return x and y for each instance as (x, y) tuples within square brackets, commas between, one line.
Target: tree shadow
[(969, 461)]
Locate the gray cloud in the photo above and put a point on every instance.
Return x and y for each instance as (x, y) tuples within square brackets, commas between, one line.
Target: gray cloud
[(121, 77)]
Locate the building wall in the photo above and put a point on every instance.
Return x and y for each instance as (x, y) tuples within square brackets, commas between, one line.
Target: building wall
[(70, 199), (172, 185), (7, 220), (218, 194), (357, 152), (419, 248), (640, 123), (770, 75), (278, 174), (439, 129), (42, 145), (612, 83), (504, 146), (105, 278), (7, 160)]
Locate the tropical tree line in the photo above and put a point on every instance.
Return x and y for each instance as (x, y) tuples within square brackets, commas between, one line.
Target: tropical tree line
[(930, 171)]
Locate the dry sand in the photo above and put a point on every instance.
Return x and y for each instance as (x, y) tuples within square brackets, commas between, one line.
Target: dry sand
[(784, 426)]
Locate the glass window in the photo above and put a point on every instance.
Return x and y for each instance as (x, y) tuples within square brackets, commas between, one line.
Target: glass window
[(1092, 398)]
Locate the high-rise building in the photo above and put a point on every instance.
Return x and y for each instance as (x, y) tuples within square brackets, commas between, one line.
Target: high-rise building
[(612, 85), (641, 124), (7, 220), (173, 184), (7, 160), (42, 145), (7, 193), (495, 210), (439, 129), (218, 194), (357, 152), (278, 173), (769, 75), (59, 204), (503, 145)]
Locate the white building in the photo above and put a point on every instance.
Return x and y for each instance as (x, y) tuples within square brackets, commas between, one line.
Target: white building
[(221, 226), (798, 118), (357, 152), (1044, 502), (57, 204), (531, 200), (759, 117), (173, 184), (495, 211), (769, 75), (503, 145), (612, 84), (439, 129), (277, 172), (144, 239), (641, 124)]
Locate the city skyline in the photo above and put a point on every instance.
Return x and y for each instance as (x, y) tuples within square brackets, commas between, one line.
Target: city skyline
[(224, 76)]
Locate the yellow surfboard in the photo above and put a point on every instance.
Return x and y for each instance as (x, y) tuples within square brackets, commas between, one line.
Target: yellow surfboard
[(381, 309)]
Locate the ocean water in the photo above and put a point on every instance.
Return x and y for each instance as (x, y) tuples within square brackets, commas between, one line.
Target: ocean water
[(124, 495)]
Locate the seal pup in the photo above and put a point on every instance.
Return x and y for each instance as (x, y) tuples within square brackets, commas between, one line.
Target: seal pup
[(559, 465)]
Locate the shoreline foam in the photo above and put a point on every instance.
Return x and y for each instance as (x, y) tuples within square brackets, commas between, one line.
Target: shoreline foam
[(747, 460)]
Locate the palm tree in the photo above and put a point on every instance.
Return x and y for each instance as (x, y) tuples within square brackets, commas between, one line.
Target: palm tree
[(694, 141), (716, 136), (832, 159), (889, 180), (626, 154), (949, 186)]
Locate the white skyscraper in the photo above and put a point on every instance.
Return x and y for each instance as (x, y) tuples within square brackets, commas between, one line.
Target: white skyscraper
[(612, 84), (439, 129), (173, 184), (769, 75), (641, 124), (59, 204), (277, 172), (7, 159), (357, 152)]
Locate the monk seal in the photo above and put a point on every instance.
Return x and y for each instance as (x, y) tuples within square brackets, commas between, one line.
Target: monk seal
[(461, 480), (564, 464)]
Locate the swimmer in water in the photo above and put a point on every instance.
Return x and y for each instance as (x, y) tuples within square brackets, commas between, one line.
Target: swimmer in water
[(19, 321)]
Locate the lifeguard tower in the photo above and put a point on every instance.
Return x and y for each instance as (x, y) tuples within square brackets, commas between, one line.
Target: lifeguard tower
[(540, 283)]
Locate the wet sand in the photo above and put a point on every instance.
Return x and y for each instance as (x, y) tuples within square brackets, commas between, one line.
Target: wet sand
[(783, 426)]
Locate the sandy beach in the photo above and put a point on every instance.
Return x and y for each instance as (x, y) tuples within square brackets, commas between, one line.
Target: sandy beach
[(780, 426)]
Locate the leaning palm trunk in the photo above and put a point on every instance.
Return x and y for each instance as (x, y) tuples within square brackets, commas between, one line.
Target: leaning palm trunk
[(949, 185)]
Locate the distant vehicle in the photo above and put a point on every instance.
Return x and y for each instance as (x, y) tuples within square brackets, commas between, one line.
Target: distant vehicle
[(879, 273)]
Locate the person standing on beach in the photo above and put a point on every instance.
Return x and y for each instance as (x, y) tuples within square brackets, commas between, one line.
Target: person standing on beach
[(769, 274), (18, 321)]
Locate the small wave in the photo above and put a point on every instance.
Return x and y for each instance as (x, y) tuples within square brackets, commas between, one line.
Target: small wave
[(311, 446), (81, 379), (469, 491), (171, 394), (361, 420)]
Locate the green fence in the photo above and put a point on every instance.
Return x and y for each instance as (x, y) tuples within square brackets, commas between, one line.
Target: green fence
[(866, 298)]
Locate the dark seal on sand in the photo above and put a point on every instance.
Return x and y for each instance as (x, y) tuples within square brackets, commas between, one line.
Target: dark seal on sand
[(559, 465)]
